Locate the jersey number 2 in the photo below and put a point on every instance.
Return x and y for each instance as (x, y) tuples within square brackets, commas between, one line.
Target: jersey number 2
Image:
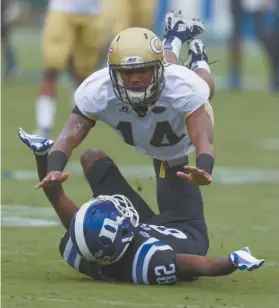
[(163, 135)]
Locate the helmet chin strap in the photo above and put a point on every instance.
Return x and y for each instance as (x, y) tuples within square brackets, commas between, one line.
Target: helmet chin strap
[(134, 97)]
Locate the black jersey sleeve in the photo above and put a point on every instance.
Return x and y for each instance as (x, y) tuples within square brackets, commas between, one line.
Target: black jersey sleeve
[(76, 261), (154, 263)]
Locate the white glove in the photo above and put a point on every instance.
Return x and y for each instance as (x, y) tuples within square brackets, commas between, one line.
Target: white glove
[(243, 260), (39, 145)]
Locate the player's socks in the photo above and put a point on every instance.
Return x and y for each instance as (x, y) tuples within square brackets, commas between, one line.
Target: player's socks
[(234, 81), (275, 77), (45, 113), (10, 59)]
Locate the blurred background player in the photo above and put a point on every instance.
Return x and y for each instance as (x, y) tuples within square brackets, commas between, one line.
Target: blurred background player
[(123, 14), (255, 11), (129, 13), (71, 36), (10, 10)]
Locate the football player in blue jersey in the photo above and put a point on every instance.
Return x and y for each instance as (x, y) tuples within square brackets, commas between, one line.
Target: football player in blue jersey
[(117, 237)]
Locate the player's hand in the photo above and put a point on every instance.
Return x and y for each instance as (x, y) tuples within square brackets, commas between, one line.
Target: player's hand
[(195, 176), (53, 177), (243, 260)]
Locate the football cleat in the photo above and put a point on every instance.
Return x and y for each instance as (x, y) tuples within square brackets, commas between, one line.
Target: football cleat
[(243, 260), (171, 19), (39, 145), (196, 53), (184, 30)]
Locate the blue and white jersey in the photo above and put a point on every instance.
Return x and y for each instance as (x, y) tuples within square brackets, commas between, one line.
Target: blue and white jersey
[(154, 263), (148, 260)]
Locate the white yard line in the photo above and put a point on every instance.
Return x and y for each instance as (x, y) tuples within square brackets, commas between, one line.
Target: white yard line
[(222, 174), (269, 144), (36, 216), (272, 264)]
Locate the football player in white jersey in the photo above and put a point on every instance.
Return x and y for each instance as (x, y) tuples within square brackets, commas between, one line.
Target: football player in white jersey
[(159, 109)]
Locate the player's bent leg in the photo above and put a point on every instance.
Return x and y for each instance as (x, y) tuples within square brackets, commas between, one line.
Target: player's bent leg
[(144, 12), (105, 178), (87, 49), (178, 198), (58, 40)]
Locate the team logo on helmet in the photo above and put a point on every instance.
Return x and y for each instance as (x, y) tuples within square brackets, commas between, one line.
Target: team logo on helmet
[(156, 45)]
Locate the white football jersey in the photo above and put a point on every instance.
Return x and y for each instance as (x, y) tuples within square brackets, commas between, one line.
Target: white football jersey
[(87, 7), (162, 133)]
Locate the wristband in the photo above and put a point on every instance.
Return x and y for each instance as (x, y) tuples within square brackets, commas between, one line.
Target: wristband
[(56, 161), (205, 162)]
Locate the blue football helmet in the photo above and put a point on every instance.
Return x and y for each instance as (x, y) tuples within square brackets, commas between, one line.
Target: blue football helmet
[(103, 228)]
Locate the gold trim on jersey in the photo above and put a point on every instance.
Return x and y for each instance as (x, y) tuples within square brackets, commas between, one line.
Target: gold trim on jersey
[(163, 169), (94, 118), (209, 110)]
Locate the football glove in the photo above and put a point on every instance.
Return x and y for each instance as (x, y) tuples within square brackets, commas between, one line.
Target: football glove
[(39, 145), (184, 30), (243, 260)]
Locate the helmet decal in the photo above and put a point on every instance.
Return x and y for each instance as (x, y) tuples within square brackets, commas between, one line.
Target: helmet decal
[(103, 228), (156, 45)]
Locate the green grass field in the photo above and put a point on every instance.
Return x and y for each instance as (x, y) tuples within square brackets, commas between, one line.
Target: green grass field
[(242, 213)]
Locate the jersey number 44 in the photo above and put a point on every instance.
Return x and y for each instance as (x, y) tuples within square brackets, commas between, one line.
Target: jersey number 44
[(163, 132)]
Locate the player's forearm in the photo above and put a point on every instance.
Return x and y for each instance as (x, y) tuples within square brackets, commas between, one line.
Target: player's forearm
[(219, 266), (202, 139), (200, 130), (73, 133), (203, 144), (63, 206), (204, 153), (206, 76), (203, 266)]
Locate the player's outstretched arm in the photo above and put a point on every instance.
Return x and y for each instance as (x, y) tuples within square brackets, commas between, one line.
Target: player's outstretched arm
[(193, 265), (199, 126), (64, 206), (73, 133)]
